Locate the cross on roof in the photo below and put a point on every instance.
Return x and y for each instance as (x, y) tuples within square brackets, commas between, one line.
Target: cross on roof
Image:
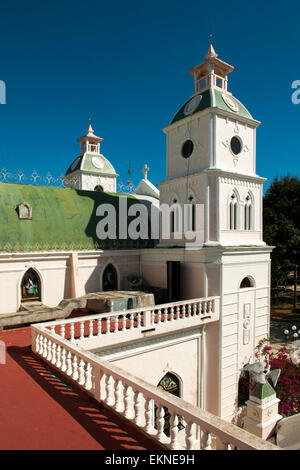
[(145, 171)]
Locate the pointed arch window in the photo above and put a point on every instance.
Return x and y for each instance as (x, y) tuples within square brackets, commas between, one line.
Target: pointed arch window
[(169, 383), (174, 216), (248, 215), (233, 212), (30, 286), (192, 213)]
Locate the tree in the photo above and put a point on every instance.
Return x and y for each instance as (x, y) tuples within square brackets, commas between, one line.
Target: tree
[(282, 225)]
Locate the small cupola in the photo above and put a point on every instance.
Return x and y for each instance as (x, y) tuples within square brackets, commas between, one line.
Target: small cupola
[(212, 73), (90, 142)]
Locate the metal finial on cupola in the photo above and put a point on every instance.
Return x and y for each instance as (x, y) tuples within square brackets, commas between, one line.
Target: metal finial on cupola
[(211, 53), (145, 171)]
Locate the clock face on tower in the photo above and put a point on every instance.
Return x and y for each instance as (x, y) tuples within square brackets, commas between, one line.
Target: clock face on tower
[(230, 103), (192, 105), (97, 162)]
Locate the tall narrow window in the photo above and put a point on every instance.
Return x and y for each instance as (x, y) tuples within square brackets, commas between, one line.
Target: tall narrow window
[(174, 217), (248, 213), (233, 212), (191, 214)]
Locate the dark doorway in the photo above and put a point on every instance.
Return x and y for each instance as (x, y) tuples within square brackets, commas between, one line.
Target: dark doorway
[(173, 274), (110, 278), (30, 286)]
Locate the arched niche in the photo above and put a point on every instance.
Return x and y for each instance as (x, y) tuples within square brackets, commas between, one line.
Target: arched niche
[(247, 282), (30, 286), (110, 280)]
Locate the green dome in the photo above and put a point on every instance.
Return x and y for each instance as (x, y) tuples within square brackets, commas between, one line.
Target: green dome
[(211, 98), (92, 163)]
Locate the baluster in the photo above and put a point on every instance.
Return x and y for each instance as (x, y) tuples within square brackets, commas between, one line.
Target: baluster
[(63, 360), (109, 390), (131, 321), (194, 309), (108, 321), (69, 363), (53, 360), (91, 328), (49, 355), (58, 357), (72, 330), (62, 331), (159, 316), (138, 320), (204, 308), (45, 344), (209, 307), (127, 402), (190, 438), (177, 312), (37, 343), (172, 314), (123, 322), (88, 377), (152, 317), (183, 311), (206, 440), (52, 329), (81, 329), (81, 379), (213, 306), (160, 422), (189, 310), (99, 327), (118, 395), (149, 414), (41, 348), (75, 374), (138, 408), (174, 430)]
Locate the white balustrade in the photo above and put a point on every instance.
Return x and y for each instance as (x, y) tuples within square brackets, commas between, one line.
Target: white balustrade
[(130, 396)]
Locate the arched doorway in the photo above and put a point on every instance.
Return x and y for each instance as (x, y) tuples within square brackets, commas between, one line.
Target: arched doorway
[(110, 278), (30, 286), (171, 384)]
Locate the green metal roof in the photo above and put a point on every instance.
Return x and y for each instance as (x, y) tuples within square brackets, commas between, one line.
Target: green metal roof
[(213, 98), (85, 163), (62, 219)]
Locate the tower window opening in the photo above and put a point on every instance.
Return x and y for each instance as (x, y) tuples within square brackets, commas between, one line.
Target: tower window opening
[(233, 212), (187, 148), (192, 214), (248, 213), (173, 217), (246, 282), (236, 145)]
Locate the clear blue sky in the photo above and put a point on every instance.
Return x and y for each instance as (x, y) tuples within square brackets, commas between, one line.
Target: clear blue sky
[(125, 64)]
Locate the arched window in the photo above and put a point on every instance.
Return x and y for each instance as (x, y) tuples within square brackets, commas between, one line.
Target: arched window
[(110, 278), (192, 214), (174, 216), (233, 212), (169, 383), (246, 282), (30, 286), (99, 188), (248, 213)]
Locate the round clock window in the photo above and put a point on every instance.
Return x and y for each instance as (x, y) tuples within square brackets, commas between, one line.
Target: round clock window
[(187, 148), (236, 145)]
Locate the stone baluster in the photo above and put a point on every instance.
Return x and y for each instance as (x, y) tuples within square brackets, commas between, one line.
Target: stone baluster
[(81, 379), (138, 320), (205, 307), (72, 332), (37, 343), (152, 316), (91, 328), (172, 314), (118, 395), (177, 312), (81, 330), (69, 363), (206, 440), (53, 360), (209, 307), (109, 390), (99, 327), (189, 310), (160, 422), (194, 309), (131, 321), (52, 329), (174, 431), (58, 357), (122, 321), (190, 438), (127, 402), (183, 311), (138, 408), (45, 344), (75, 374), (41, 345), (108, 321), (149, 415), (63, 360), (159, 316), (49, 355), (88, 377), (62, 331)]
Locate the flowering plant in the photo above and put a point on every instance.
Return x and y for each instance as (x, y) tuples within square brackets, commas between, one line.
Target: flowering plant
[(288, 385)]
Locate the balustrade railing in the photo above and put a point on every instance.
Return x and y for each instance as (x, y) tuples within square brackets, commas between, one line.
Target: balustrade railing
[(138, 401), (166, 316)]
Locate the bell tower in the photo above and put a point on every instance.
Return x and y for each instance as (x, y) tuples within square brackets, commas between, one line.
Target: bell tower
[(211, 157)]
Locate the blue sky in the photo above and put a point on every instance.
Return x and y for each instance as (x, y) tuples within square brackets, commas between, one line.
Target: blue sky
[(125, 64)]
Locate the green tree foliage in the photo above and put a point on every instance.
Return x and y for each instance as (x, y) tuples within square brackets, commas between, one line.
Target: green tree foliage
[(282, 225)]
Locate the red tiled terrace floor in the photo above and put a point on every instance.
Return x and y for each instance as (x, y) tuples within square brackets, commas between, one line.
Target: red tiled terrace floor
[(39, 411)]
